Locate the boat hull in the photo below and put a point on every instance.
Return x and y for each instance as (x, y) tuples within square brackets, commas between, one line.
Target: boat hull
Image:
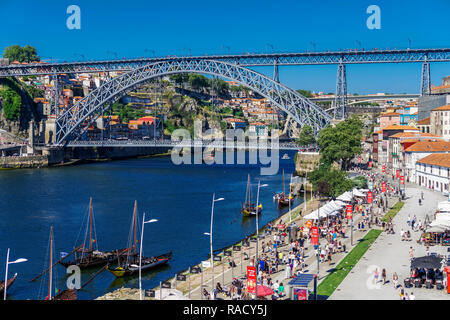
[(247, 212), (147, 265), (8, 284)]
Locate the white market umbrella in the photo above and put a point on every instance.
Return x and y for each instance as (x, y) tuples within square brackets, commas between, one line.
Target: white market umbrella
[(166, 293)]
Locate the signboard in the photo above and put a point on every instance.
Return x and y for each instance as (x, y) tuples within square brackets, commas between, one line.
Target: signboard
[(166, 284), (206, 264), (252, 239), (150, 293), (217, 258), (397, 173), (314, 236), (383, 168), (196, 270), (402, 179), (383, 187), (251, 279), (349, 211), (237, 248), (300, 294), (369, 197), (181, 277), (227, 253)]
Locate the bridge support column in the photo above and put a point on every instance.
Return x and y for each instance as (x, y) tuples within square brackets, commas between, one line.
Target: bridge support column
[(276, 74), (425, 79), (340, 100), (56, 96)]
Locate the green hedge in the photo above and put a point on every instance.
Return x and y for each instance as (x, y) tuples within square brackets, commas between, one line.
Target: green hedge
[(393, 212)]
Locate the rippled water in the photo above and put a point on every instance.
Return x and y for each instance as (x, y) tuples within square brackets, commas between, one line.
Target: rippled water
[(178, 196)]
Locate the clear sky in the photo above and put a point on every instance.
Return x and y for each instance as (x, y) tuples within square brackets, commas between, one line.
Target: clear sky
[(137, 28)]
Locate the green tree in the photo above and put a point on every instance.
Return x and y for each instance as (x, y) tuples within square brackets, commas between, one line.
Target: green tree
[(21, 54), (12, 103), (219, 85), (198, 81), (342, 142), (329, 182), (306, 136), (305, 93)]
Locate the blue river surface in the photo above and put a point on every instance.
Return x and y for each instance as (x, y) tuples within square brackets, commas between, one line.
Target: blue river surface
[(179, 196)]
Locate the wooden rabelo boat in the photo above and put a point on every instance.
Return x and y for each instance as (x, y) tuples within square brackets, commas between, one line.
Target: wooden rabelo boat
[(282, 199), (130, 265), (248, 208), (68, 294), (8, 284), (87, 256)]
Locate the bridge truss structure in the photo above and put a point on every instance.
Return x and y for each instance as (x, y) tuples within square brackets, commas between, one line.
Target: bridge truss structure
[(71, 124), (238, 62)]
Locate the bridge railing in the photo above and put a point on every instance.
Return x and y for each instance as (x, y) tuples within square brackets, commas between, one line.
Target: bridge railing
[(193, 143)]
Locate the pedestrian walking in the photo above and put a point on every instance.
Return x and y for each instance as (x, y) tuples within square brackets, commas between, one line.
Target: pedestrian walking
[(383, 275), (395, 280), (411, 253)]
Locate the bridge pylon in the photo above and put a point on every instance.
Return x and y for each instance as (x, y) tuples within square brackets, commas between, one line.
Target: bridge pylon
[(425, 79), (276, 74), (340, 100)]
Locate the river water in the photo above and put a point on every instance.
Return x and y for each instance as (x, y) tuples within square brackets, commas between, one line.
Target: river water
[(179, 196)]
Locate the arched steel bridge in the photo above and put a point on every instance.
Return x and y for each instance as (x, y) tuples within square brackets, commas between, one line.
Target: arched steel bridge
[(258, 59), (73, 122)]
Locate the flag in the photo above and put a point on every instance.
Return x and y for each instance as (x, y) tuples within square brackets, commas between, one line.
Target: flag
[(63, 254)]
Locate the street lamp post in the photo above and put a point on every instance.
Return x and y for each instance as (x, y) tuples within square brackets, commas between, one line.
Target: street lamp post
[(257, 229), (6, 271), (140, 254), (210, 234)]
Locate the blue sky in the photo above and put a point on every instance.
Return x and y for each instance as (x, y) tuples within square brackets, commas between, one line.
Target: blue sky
[(135, 28)]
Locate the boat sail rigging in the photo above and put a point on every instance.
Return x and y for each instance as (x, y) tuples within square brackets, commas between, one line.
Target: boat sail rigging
[(131, 264), (248, 207), (282, 199), (87, 254)]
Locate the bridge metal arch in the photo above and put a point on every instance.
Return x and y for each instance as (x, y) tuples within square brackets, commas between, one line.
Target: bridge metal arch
[(73, 122)]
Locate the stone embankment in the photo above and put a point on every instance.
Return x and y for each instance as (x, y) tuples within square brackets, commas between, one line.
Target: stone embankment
[(21, 162)]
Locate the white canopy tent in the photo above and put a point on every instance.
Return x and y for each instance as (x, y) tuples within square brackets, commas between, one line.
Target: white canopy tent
[(436, 229), (335, 205), (329, 209), (440, 223), (443, 216), (358, 193), (346, 197), (444, 206)]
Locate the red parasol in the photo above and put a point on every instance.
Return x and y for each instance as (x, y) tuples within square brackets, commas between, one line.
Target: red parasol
[(264, 291)]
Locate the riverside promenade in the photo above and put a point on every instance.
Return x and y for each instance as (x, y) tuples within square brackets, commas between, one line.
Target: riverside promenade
[(391, 253), (224, 274)]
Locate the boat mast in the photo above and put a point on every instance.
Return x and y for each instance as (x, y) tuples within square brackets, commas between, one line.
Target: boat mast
[(51, 267), (135, 225), (90, 224)]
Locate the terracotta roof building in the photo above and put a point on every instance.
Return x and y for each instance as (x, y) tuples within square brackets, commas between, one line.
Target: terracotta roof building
[(433, 172)]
